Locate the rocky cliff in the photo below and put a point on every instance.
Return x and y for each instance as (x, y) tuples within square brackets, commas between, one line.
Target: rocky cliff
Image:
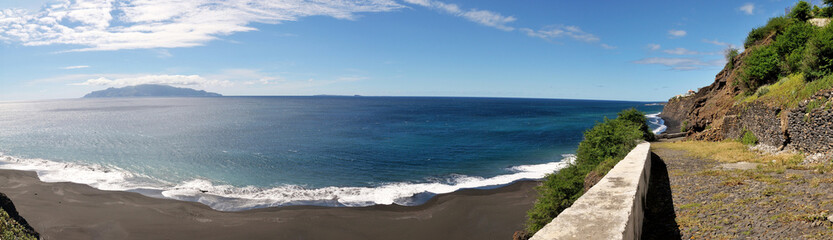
[(714, 113), (703, 112)]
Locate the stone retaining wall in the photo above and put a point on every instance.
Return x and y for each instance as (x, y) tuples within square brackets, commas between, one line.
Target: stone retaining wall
[(811, 130), (612, 209)]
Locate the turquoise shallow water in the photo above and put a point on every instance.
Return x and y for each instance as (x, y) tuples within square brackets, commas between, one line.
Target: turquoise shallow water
[(245, 152)]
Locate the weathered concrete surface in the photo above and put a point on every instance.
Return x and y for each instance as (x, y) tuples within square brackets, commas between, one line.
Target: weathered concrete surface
[(612, 209)]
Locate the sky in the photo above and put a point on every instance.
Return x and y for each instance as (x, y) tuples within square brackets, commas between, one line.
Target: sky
[(612, 50)]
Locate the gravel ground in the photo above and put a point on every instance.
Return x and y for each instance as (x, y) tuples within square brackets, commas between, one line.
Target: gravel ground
[(713, 203)]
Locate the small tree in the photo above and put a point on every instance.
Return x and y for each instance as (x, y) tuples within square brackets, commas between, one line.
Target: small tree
[(730, 54), (801, 11)]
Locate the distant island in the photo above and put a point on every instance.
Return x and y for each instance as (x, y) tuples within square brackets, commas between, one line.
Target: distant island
[(150, 90)]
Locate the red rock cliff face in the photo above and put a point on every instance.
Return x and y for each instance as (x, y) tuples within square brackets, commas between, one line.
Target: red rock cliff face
[(703, 112)]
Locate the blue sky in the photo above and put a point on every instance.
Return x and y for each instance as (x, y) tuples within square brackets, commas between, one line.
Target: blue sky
[(618, 50)]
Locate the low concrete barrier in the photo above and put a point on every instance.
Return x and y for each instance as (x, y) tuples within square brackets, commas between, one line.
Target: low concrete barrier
[(612, 209)]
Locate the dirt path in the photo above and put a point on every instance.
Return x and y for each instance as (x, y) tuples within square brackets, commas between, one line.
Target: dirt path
[(762, 203)]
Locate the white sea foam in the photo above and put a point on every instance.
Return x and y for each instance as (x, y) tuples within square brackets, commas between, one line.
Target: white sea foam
[(231, 198), (102, 177), (655, 119)]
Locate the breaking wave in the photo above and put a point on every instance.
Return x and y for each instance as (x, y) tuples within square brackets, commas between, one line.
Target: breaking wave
[(232, 198)]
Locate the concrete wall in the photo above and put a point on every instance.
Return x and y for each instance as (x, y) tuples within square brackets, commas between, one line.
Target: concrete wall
[(612, 209)]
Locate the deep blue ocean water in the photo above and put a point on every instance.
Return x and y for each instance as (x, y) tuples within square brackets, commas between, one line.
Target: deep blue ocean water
[(235, 153)]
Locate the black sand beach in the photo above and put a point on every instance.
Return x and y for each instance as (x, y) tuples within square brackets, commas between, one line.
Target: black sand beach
[(76, 211)]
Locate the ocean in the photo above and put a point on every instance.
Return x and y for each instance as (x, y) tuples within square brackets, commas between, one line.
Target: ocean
[(237, 153)]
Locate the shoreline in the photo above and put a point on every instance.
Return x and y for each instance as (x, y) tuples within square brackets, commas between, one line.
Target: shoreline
[(78, 211)]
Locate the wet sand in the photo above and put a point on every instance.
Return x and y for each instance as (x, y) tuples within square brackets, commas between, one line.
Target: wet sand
[(76, 211)]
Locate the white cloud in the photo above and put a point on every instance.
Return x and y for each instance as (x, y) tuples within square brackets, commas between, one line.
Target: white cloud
[(605, 46), (483, 17), (681, 63), (176, 80), (748, 8), (141, 24), (75, 67), (683, 51), (677, 33), (653, 46), (559, 31), (719, 43)]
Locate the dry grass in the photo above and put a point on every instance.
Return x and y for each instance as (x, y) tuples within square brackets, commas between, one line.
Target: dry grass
[(730, 152)]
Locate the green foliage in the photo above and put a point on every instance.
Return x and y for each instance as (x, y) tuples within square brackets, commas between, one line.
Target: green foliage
[(603, 146), (557, 193), (748, 138), (684, 126), (605, 166), (818, 58), (10, 229), (815, 104), (789, 91), (791, 44), (801, 11), (763, 90), (761, 67), (611, 138), (637, 117), (730, 55), (827, 12), (775, 25)]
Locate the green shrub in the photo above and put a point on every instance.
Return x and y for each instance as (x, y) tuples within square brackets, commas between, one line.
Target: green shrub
[(603, 146), (761, 67), (791, 44), (763, 90), (611, 138), (11, 229), (826, 12), (815, 104), (818, 58), (684, 126), (556, 193), (774, 25), (637, 117), (730, 54), (801, 11), (748, 138)]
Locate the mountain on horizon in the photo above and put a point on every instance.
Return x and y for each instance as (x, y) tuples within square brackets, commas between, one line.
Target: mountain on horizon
[(150, 90)]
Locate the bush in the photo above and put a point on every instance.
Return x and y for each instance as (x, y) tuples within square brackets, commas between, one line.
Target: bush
[(557, 193), (730, 54), (11, 229), (684, 126), (637, 117), (791, 44), (748, 138), (603, 146), (775, 25), (801, 11), (761, 67), (818, 58), (826, 12)]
